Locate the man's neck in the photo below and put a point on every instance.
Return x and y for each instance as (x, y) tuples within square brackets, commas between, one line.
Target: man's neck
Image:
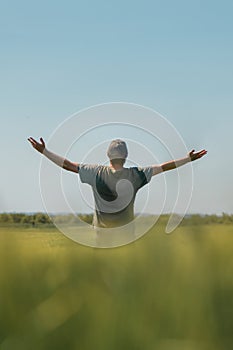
[(116, 167)]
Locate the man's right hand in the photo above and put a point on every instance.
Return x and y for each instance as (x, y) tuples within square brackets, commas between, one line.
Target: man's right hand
[(39, 146)]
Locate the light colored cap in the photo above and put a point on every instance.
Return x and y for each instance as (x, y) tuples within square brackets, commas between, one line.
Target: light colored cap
[(117, 149)]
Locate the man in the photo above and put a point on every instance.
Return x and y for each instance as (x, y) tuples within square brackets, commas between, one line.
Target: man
[(114, 187)]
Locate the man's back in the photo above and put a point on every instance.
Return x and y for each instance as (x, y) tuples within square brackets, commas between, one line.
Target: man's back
[(114, 192)]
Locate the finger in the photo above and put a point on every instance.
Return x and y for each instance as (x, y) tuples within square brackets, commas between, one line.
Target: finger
[(42, 141), (201, 153), (32, 141)]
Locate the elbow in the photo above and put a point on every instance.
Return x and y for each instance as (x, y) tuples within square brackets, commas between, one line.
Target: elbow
[(166, 167), (69, 166)]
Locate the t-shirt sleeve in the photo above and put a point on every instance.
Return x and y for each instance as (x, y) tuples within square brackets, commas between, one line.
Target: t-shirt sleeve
[(87, 173), (144, 175)]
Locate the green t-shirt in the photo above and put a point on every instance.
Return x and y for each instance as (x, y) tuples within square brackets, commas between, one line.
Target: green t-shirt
[(114, 192)]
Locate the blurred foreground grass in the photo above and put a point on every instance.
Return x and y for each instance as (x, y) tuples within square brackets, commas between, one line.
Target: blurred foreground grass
[(163, 292)]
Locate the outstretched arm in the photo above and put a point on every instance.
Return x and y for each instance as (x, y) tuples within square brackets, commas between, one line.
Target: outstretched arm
[(178, 162), (60, 161)]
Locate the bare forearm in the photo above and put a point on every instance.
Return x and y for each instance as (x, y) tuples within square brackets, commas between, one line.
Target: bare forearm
[(55, 158), (60, 161), (175, 163)]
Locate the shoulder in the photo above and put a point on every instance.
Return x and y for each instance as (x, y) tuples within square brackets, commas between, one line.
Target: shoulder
[(144, 173), (88, 166), (83, 167), (87, 172)]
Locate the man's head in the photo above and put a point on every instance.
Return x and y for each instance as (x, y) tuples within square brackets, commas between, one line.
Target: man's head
[(117, 152)]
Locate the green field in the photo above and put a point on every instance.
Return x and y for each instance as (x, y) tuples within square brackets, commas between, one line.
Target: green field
[(162, 292)]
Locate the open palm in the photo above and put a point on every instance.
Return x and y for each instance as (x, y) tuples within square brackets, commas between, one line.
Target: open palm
[(196, 155), (39, 146)]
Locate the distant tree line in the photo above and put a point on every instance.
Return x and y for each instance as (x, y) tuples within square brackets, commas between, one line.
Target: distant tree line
[(38, 219), (196, 219), (42, 218)]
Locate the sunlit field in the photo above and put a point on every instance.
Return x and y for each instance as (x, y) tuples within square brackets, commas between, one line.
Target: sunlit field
[(162, 292)]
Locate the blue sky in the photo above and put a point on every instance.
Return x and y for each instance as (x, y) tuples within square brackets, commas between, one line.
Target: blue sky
[(58, 57)]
